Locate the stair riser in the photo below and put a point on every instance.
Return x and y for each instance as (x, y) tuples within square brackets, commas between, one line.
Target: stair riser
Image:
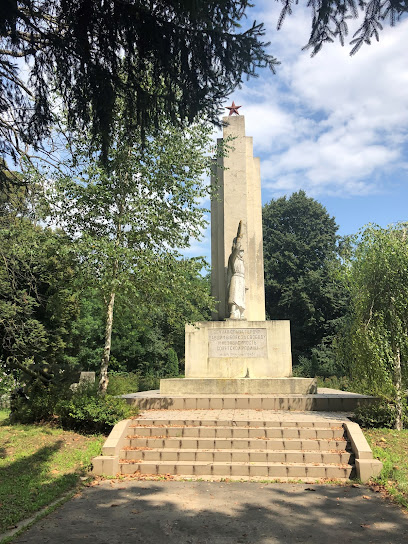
[(225, 432), (236, 457), (279, 471), (257, 444), (237, 423), (306, 403)]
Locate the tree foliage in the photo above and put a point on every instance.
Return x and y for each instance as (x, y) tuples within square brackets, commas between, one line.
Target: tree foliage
[(38, 297), (123, 222), (143, 335), (375, 340), (52, 315), (330, 20), (302, 277), (181, 57), (128, 217), (178, 57)]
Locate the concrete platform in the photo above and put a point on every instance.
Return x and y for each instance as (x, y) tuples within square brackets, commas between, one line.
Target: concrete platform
[(218, 417), (238, 386), (325, 400)]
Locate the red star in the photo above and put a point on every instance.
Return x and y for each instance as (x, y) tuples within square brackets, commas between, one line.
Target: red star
[(233, 108)]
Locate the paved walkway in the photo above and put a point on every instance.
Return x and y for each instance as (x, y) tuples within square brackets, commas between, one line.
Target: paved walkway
[(174, 512), (244, 415)]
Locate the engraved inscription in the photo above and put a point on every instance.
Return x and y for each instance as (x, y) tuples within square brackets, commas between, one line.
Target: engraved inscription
[(237, 343)]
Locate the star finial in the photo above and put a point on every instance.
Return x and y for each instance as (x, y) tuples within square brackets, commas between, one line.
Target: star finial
[(233, 108)]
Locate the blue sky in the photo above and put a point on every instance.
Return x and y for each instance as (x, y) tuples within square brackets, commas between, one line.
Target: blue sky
[(333, 125)]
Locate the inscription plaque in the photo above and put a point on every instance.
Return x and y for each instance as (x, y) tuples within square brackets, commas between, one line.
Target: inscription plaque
[(237, 343)]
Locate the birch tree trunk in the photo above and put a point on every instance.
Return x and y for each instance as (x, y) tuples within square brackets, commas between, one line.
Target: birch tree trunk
[(104, 379)]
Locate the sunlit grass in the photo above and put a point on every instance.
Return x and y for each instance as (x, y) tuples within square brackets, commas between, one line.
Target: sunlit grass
[(391, 447), (38, 464)]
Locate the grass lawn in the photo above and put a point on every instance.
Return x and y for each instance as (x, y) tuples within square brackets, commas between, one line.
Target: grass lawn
[(391, 447), (38, 464)]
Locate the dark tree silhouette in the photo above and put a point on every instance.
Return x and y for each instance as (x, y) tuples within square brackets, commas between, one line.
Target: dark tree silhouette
[(164, 57), (330, 18)]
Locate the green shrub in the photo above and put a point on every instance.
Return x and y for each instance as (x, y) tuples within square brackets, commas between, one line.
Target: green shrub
[(171, 368), (381, 414), (121, 383), (88, 412), (81, 410), (37, 403), (335, 382), (149, 381)]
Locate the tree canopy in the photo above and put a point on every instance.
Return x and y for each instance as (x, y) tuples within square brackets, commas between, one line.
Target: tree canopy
[(122, 223), (38, 295), (302, 282), (129, 216), (374, 341), (175, 58)]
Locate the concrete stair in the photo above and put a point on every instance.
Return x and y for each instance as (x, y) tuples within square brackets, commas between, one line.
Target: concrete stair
[(326, 400), (237, 448)]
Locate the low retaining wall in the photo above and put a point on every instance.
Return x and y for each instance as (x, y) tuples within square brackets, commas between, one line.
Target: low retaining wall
[(108, 463), (366, 466)]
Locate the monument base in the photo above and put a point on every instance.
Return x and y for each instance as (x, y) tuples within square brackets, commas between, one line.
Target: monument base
[(243, 386), (238, 349)]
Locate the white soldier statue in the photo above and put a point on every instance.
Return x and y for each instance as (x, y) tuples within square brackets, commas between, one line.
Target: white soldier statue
[(236, 278)]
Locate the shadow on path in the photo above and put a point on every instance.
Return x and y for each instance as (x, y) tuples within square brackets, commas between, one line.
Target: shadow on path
[(219, 512)]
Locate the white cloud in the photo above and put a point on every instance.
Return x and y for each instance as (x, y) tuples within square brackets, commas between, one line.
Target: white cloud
[(331, 124)]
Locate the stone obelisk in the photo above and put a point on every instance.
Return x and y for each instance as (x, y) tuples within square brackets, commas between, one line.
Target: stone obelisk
[(237, 186), (238, 352)]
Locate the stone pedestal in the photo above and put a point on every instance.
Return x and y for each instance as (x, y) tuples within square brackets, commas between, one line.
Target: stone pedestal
[(238, 357), (240, 386), (238, 349)]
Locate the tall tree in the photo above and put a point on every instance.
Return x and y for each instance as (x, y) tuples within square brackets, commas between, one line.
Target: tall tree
[(301, 270), (375, 340), (143, 336), (38, 297), (178, 57), (129, 217)]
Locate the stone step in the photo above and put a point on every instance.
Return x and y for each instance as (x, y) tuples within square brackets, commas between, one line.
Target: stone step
[(235, 443), (227, 469), (238, 432), (150, 400), (233, 456), (265, 451), (146, 422)]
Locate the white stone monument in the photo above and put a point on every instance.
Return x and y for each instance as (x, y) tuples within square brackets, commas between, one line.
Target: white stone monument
[(239, 352), (237, 184)]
